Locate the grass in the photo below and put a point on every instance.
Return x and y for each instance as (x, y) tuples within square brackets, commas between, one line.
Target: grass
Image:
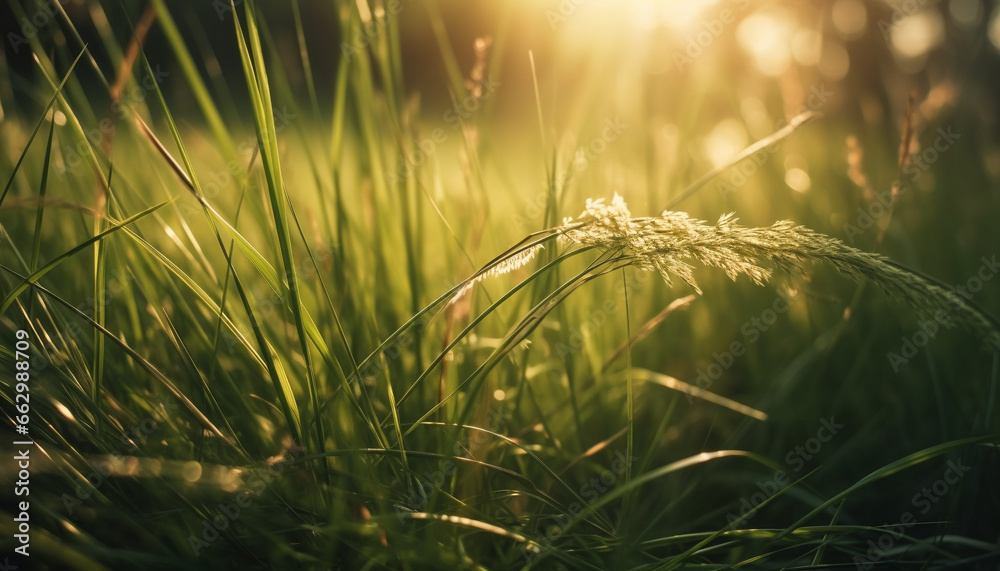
[(310, 319)]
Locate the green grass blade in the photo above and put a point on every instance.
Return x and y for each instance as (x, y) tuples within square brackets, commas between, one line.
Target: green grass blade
[(40, 272), (260, 93), (38, 125)]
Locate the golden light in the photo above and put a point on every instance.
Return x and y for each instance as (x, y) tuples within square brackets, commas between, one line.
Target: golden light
[(849, 18), (726, 139), (796, 176), (807, 47), (55, 115), (131, 466), (191, 471), (966, 12), (913, 36), (64, 411), (154, 467), (766, 35), (798, 179), (589, 23), (232, 479), (681, 15), (834, 63), (994, 30)]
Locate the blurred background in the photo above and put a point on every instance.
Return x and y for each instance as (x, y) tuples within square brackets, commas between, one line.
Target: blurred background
[(497, 108)]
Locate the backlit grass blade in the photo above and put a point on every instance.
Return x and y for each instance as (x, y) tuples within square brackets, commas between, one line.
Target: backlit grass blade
[(219, 129), (475, 321), (696, 392), (184, 169), (40, 272), (513, 337), (779, 135), (38, 124), (100, 311), (903, 463), (260, 95), (143, 363)]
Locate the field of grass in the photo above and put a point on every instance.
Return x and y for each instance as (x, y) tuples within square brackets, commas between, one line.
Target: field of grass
[(418, 284)]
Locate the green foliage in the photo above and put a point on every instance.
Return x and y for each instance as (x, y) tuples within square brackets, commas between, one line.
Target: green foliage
[(272, 334)]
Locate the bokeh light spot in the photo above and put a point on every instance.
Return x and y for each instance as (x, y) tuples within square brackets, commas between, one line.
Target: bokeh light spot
[(849, 18), (807, 47), (834, 63), (766, 35), (64, 411), (913, 36), (966, 12), (798, 179), (191, 471), (994, 30), (726, 139)]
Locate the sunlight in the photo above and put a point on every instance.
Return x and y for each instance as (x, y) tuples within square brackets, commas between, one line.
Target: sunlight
[(807, 47), (766, 35), (726, 139), (495, 285), (584, 21), (994, 30), (918, 34), (191, 471), (850, 18), (63, 410), (797, 179), (678, 15)]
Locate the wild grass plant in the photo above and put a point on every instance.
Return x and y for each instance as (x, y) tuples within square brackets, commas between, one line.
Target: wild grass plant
[(275, 325)]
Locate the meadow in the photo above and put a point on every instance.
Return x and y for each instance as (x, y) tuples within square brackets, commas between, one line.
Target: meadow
[(423, 284)]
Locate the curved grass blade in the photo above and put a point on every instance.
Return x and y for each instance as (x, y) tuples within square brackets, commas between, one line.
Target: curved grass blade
[(903, 463), (775, 137), (696, 392), (260, 97), (39, 273), (139, 359), (38, 125)]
